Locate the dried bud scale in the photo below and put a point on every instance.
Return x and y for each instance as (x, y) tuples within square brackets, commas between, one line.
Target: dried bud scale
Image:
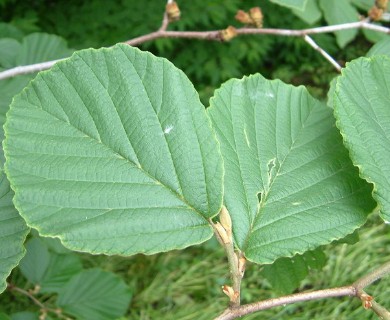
[(173, 11), (228, 34)]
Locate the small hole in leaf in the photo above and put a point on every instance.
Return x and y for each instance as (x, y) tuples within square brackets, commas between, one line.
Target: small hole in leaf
[(259, 195)]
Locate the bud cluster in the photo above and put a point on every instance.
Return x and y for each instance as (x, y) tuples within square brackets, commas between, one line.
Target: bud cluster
[(253, 18), (376, 12)]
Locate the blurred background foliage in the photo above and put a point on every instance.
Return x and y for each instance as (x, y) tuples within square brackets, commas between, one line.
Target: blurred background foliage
[(186, 284), (94, 24)]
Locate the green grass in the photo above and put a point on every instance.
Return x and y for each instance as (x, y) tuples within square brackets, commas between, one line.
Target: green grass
[(187, 284)]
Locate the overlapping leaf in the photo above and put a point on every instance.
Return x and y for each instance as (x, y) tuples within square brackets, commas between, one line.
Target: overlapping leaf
[(338, 12), (295, 4), (95, 295), (13, 232), (362, 109), (34, 48), (289, 183), (112, 152), (381, 47)]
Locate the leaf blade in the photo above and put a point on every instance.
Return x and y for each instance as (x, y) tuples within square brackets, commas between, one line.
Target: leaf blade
[(129, 154), (289, 184), (13, 232), (361, 108)]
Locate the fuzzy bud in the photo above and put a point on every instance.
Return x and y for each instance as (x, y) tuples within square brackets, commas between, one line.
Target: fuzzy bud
[(222, 233), (225, 220), (375, 13), (366, 300), (228, 34), (257, 16), (229, 291), (243, 17), (241, 265), (173, 11), (381, 4)]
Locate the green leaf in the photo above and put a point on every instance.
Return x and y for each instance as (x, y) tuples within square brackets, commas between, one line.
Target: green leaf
[(8, 47), (361, 104), (374, 36), (286, 274), (61, 268), (338, 12), (34, 48), (34, 264), (381, 47), (95, 295), (8, 30), (289, 183), (13, 232), (44, 267), (294, 4), (25, 315), (311, 14), (8, 89), (39, 47), (332, 88), (112, 152), (362, 4)]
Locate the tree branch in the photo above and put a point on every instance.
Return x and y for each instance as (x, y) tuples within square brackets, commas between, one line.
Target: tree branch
[(43, 308), (210, 35), (327, 56), (230, 314), (355, 289)]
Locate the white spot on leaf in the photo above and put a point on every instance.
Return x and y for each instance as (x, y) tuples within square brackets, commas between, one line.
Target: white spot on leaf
[(168, 129)]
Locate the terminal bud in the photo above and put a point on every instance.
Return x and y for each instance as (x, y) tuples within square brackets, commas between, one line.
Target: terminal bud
[(173, 11)]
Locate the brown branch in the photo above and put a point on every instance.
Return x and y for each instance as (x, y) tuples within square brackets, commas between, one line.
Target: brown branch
[(11, 287), (230, 314), (210, 35), (355, 289)]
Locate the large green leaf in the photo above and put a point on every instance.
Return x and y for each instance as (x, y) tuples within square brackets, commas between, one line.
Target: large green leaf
[(289, 183), (95, 295), (338, 12), (112, 152), (13, 232), (294, 4), (362, 109)]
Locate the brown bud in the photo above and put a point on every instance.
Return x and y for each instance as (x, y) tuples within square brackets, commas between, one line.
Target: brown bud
[(375, 13), (229, 291), (243, 17), (222, 233), (226, 221), (228, 34), (173, 11), (366, 300), (257, 16), (382, 4), (241, 265)]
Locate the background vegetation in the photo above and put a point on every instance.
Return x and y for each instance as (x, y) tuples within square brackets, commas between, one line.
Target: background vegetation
[(186, 284)]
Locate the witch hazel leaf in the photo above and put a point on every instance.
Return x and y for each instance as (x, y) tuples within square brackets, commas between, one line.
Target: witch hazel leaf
[(361, 107), (112, 152), (289, 183), (13, 232)]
